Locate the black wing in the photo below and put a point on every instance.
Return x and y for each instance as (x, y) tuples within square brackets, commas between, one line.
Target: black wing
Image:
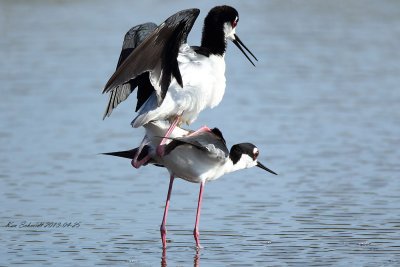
[(203, 141), (157, 52), (133, 38)]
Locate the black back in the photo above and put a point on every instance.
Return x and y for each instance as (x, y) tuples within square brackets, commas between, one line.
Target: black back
[(200, 141)]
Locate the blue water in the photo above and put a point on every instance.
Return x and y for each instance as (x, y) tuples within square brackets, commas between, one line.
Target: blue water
[(322, 106)]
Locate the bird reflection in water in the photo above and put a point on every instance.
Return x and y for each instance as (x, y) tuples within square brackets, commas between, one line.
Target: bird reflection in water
[(196, 258)]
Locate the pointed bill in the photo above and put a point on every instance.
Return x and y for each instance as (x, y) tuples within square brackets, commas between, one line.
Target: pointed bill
[(265, 168), (240, 44)]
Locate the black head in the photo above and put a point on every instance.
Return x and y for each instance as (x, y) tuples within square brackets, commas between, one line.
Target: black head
[(219, 15), (244, 148), (219, 25), (246, 153)]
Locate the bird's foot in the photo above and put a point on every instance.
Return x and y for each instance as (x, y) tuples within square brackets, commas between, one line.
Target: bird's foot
[(137, 164), (202, 129), (196, 237), (143, 154), (142, 157)]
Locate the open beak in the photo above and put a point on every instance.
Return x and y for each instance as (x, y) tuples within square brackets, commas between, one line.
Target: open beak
[(265, 168), (239, 44)]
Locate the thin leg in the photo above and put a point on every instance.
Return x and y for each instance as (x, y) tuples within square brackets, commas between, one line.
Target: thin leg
[(163, 230), (160, 148), (137, 164), (202, 129), (196, 226)]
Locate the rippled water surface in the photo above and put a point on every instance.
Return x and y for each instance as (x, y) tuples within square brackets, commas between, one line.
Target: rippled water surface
[(322, 105)]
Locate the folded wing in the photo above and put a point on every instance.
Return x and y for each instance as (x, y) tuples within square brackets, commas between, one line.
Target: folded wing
[(209, 142)]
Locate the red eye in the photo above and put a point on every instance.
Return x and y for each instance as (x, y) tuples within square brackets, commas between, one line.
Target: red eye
[(234, 24), (256, 154)]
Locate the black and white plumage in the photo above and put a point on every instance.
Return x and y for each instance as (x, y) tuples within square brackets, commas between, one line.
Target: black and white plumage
[(133, 38), (202, 157), (197, 158), (172, 77)]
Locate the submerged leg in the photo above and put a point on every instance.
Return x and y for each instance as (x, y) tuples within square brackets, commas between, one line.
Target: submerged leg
[(196, 226), (163, 230), (160, 148)]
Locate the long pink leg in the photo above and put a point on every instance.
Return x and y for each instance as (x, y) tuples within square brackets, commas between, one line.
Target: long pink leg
[(196, 226), (163, 230), (202, 129), (160, 148), (137, 164)]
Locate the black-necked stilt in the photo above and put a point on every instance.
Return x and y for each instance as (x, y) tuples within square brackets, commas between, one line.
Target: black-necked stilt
[(175, 81), (196, 158)]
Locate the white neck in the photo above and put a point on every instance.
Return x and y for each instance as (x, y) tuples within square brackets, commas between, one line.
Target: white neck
[(245, 162)]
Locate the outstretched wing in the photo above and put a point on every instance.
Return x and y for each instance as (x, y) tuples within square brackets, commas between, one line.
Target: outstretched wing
[(210, 142), (133, 38), (156, 54)]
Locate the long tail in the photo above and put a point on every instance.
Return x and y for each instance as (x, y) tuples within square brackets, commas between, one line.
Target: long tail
[(129, 154)]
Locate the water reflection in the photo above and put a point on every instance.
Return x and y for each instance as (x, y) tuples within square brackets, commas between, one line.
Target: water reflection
[(164, 257), (322, 103), (196, 258)]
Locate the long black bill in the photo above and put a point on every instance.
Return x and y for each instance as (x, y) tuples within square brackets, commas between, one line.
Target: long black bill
[(265, 168), (239, 44)]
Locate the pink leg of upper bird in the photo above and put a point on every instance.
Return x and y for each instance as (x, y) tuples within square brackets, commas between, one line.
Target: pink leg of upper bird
[(160, 148), (202, 129), (138, 163)]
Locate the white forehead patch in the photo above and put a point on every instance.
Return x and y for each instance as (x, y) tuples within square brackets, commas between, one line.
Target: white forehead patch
[(229, 31), (255, 152)]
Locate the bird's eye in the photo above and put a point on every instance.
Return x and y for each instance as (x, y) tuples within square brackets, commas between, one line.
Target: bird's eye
[(234, 24), (256, 154)]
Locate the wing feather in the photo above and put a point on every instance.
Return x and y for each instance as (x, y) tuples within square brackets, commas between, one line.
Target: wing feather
[(210, 142), (133, 38), (159, 51)]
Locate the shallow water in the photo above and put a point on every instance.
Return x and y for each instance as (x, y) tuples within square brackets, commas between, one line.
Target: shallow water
[(322, 105)]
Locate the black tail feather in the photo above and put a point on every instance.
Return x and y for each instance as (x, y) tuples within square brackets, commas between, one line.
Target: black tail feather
[(129, 154)]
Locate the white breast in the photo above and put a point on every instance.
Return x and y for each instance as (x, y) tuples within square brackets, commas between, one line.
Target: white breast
[(203, 86), (193, 165)]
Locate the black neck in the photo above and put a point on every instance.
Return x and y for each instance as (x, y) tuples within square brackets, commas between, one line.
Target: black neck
[(214, 40), (235, 154)]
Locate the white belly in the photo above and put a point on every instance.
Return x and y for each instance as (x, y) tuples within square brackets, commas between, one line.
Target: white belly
[(192, 165), (203, 86)]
